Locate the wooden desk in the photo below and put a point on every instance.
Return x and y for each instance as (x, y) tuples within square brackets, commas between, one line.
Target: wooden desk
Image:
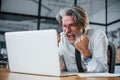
[(6, 75)]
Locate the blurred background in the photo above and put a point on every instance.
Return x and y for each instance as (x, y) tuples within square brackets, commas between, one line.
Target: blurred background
[(22, 15)]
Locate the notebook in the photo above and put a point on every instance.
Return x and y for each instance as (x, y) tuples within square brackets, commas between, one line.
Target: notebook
[(98, 74), (34, 52)]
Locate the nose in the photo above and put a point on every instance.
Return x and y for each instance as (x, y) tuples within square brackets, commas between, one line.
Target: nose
[(67, 30)]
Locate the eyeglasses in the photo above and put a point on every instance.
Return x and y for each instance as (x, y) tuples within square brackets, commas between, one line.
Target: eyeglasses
[(72, 25)]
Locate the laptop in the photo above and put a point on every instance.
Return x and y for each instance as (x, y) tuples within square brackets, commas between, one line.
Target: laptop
[(34, 52)]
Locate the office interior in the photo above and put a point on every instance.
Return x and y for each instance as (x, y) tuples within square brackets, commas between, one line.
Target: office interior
[(25, 15)]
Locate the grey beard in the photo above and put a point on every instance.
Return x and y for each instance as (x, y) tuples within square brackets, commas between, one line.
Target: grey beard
[(73, 41)]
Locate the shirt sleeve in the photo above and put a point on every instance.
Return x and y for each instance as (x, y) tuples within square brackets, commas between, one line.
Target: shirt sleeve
[(62, 64), (99, 46)]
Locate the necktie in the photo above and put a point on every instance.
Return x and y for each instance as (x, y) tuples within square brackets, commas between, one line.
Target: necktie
[(78, 60)]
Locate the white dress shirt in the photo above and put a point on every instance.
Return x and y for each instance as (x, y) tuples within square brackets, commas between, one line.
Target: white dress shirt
[(98, 44)]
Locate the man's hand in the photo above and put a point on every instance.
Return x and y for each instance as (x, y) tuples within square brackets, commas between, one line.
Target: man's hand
[(81, 44)]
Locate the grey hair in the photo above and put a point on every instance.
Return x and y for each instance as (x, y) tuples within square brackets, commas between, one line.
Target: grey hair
[(79, 15)]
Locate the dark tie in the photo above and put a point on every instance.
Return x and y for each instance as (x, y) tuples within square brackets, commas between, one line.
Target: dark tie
[(78, 60)]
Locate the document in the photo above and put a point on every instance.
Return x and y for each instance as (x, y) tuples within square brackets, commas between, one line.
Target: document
[(98, 75)]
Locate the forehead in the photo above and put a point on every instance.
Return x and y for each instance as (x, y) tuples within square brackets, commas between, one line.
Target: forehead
[(67, 19)]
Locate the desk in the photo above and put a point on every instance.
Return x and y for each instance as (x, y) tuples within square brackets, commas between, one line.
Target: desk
[(6, 75)]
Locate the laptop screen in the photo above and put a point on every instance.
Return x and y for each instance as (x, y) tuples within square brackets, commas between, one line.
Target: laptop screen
[(33, 52)]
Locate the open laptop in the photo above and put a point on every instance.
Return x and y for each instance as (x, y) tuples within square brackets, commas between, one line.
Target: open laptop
[(34, 52)]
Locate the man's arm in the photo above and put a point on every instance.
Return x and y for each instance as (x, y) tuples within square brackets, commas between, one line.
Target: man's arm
[(97, 55), (99, 47)]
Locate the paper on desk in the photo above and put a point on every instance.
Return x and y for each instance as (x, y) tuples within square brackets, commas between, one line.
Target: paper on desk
[(98, 75)]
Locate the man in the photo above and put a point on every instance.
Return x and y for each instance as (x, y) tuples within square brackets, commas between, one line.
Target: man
[(92, 44)]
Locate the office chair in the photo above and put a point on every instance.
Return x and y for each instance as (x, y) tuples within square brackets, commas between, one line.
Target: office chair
[(111, 57)]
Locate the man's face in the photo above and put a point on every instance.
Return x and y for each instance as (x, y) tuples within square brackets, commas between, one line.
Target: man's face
[(70, 28)]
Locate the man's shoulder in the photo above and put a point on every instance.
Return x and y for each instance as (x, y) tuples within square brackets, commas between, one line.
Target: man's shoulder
[(95, 31), (96, 34)]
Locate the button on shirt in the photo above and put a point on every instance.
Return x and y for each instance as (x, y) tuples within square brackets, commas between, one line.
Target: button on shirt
[(98, 45)]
